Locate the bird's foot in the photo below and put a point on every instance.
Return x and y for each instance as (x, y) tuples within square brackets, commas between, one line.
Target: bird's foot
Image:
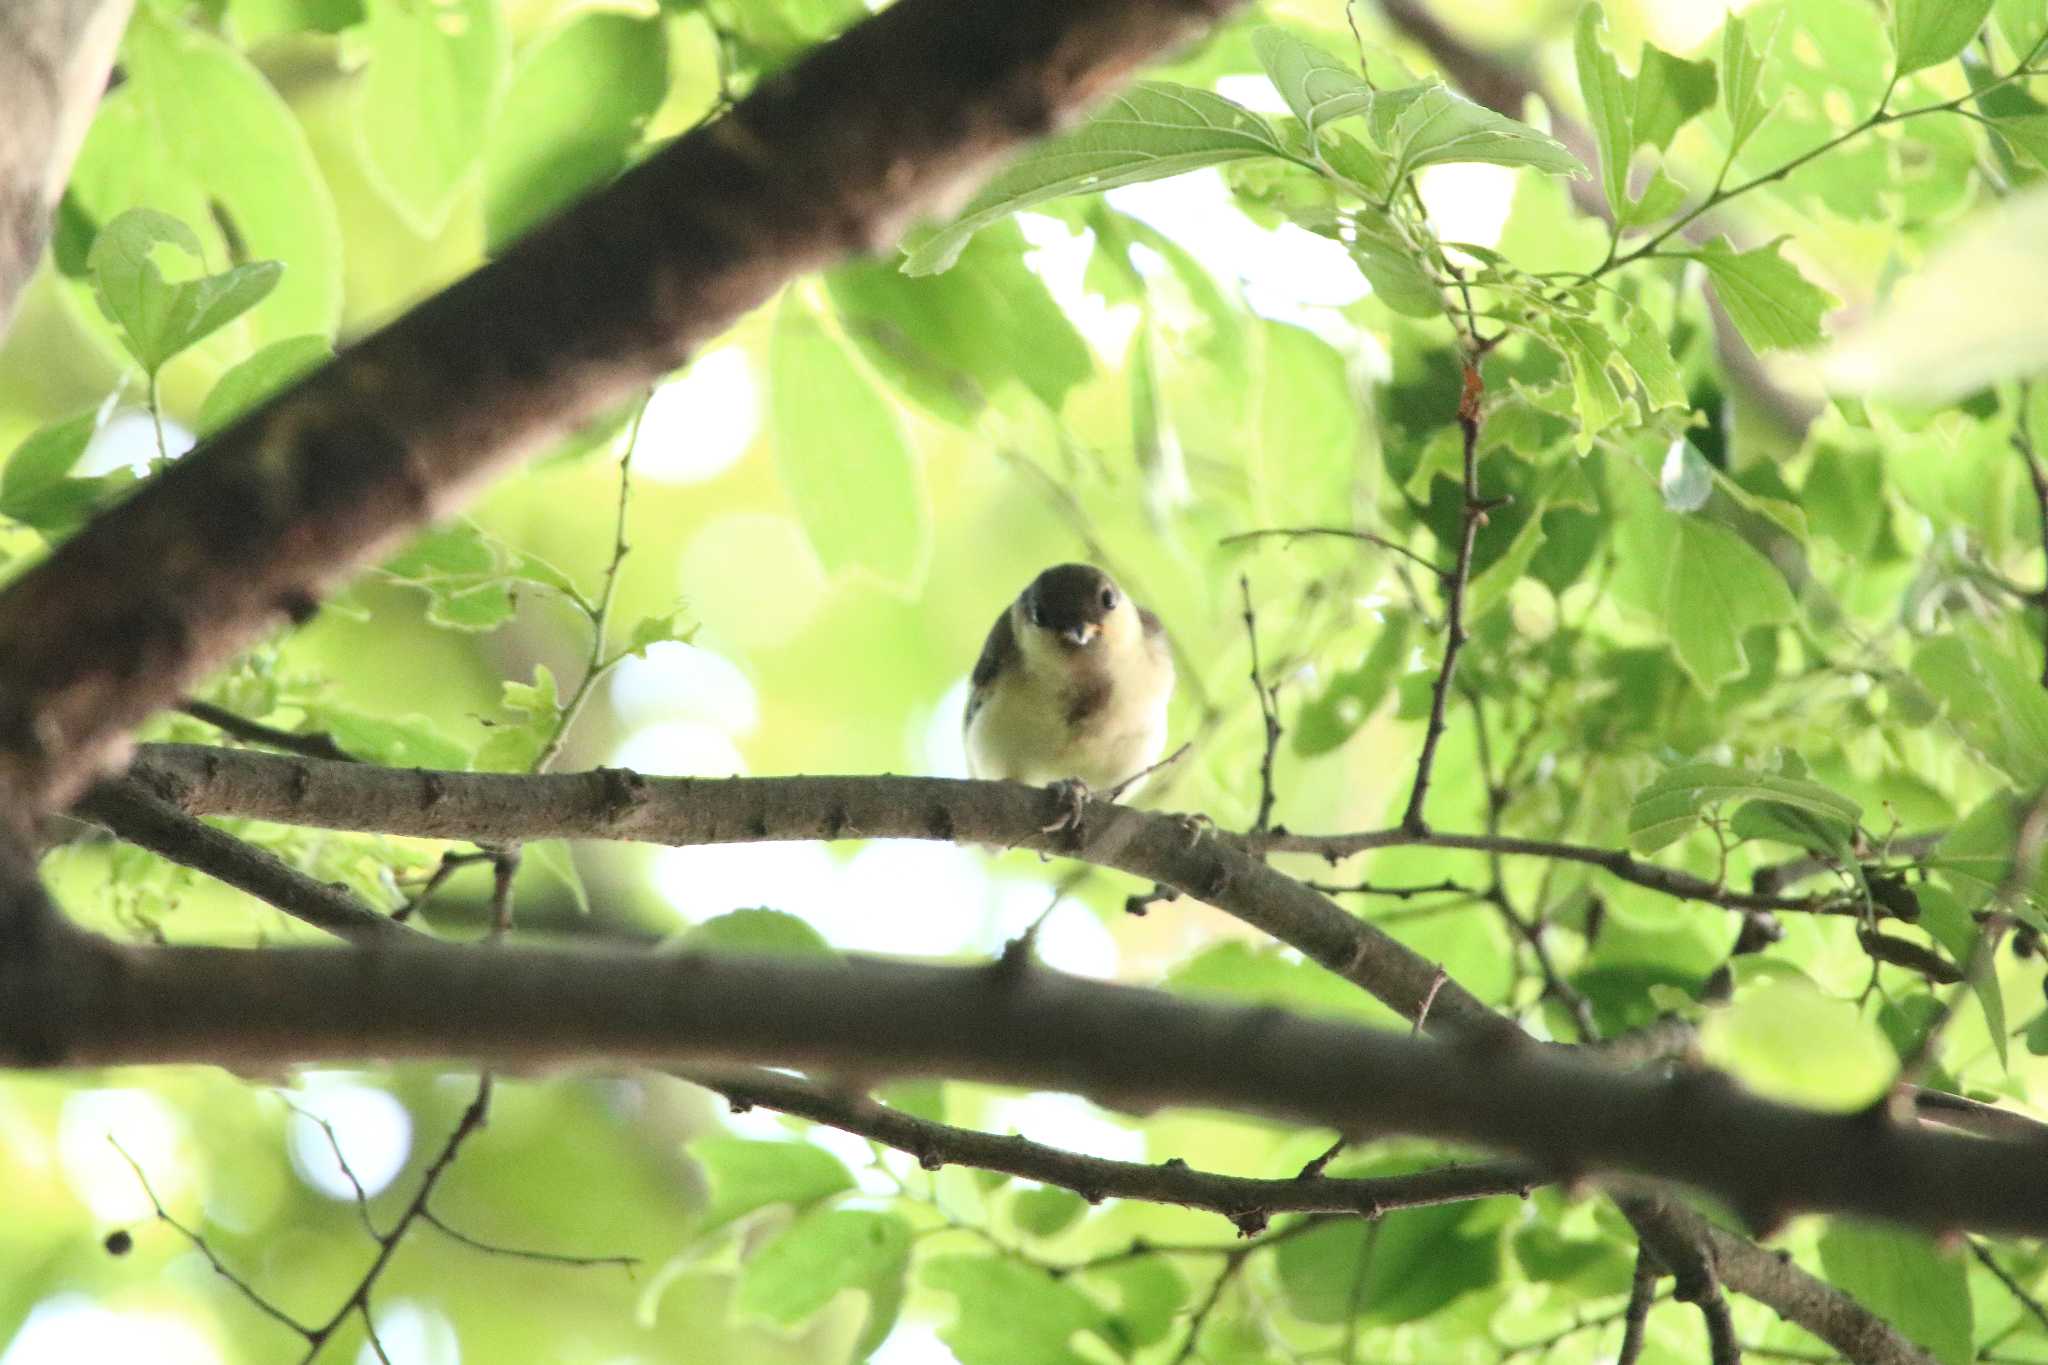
[(1070, 796), (1196, 824)]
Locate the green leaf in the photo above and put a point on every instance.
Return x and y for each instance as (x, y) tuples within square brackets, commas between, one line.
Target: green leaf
[(1317, 87), (1150, 1295), (1589, 353), (195, 131), (1974, 315), (819, 1255), (667, 628), (1325, 721), (552, 858), (1150, 131), (576, 106), (1647, 349), (1668, 808), (255, 20), (1784, 823), (1398, 1268), (1670, 92), (1742, 92), (746, 1174), (1906, 1280), (1010, 1314), (1954, 927), (1245, 974), (1610, 105), (539, 698), (771, 932), (1767, 299), (396, 742), (1988, 684), (429, 90), (1706, 585), (2028, 134), (43, 459), (1787, 1041), (1046, 1210), (844, 458), (263, 375), (1976, 858), (952, 341), (1398, 278), (158, 318), (1441, 126), (1927, 32)]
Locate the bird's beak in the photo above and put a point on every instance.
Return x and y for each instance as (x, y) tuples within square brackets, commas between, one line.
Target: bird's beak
[(1082, 633)]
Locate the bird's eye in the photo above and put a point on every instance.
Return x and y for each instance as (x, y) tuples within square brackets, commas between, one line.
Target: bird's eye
[(1109, 599), (1037, 616)]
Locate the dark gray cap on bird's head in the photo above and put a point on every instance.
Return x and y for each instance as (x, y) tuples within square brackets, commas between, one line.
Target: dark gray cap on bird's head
[(1071, 601)]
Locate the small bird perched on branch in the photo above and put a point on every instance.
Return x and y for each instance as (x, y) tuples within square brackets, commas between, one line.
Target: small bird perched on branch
[(1071, 687)]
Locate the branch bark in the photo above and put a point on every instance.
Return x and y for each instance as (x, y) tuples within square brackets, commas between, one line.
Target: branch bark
[(1244, 1200), (894, 119), (1011, 1023), (54, 60), (614, 804)]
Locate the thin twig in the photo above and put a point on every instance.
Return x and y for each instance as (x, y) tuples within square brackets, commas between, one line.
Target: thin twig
[(2005, 1277), (358, 1301), (1268, 711), (318, 744), (597, 664), (199, 1244), (435, 1221), (1472, 517), (1342, 532), (1642, 1290), (2023, 443)]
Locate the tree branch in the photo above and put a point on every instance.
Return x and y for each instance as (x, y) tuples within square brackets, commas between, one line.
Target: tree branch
[(54, 59), (1776, 1281), (614, 804), (1020, 1025), (1244, 1200), (894, 119), (130, 811)]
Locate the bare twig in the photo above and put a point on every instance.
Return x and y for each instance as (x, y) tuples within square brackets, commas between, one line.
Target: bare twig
[(199, 1244), (1342, 532), (318, 744), (2037, 475), (1242, 1199), (2012, 1285), (1472, 517), (1268, 711), (1642, 1290)]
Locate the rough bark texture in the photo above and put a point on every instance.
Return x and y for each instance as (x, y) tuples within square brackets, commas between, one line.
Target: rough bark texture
[(54, 59), (896, 118), (614, 804), (1015, 1023)]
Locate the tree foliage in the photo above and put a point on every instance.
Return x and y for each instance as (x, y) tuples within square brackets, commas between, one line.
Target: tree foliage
[(1631, 604)]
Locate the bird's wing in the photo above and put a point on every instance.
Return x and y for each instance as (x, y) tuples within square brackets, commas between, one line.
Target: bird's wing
[(997, 653)]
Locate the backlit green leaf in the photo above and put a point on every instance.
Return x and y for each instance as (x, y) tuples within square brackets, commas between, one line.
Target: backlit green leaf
[(1925, 32), (1769, 301), (430, 89), (1150, 131), (1668, 808), (1906, 1280), (574, 109), (844, 457), (1787, 1041)]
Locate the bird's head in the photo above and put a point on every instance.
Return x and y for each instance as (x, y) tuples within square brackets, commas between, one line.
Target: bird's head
[(1073, 604)]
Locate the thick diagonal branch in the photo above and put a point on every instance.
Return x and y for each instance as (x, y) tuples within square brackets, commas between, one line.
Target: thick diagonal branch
[(896, 118), (54, 58)]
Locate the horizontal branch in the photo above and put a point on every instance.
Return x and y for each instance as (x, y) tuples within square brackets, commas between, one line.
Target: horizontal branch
[(1618, 863), (616, 804), (1246, 1201), (898, 117), (1011, 1023)]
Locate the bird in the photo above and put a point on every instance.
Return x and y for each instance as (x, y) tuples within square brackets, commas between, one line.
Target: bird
[(1071, 688)]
